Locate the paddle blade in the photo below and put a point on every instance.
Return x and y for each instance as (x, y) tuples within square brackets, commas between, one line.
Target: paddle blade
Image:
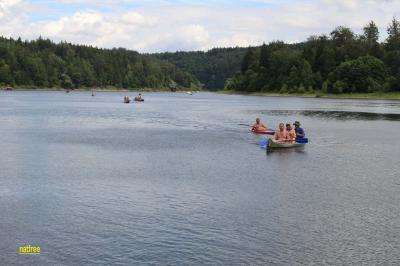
[(264, 143), (302, 140)]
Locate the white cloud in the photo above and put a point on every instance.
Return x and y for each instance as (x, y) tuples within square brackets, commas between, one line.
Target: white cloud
[(94, 2), (194, 33), (13, 15), (187, 26), (6, 4), (137, 19), (240, 39)]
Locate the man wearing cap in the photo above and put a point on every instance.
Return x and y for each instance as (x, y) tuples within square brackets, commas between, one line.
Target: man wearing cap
[(299, 131)]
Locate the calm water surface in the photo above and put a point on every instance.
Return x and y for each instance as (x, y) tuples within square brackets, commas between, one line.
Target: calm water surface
[(176, 180)]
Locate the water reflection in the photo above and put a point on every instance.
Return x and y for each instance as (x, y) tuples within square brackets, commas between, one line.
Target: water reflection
[(177, 181), (287, 151), (339, 115)]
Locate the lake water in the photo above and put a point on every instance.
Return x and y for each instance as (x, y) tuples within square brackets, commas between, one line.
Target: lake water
[(176, 180)]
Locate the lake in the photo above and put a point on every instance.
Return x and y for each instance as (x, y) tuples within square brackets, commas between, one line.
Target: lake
[(176, 180)]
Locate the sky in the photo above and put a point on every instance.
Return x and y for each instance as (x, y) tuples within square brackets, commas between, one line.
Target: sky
[(183, 25)]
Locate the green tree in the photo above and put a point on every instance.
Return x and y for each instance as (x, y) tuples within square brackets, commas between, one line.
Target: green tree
[(319, 52), (345, 44), (250, 60), (371, 33), (359, 75), (370, 38), (393, 39), (66, 81), (5, 75)]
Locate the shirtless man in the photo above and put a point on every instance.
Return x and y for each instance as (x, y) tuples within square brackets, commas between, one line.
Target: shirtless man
[(291, 133), (281, 135), (258, 125)]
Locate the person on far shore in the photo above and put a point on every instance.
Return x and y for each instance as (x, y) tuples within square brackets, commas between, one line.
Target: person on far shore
[(299, 131), (259, 125), (291, 133), (281, 135)]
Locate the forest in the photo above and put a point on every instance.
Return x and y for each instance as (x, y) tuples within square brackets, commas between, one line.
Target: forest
[(43, 64), (342, 62), (212, 68)]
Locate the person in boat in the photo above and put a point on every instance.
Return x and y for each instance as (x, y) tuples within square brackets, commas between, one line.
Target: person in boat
[(291, 133), (281, 134), (258, 125), (126, 99), (299, 131)]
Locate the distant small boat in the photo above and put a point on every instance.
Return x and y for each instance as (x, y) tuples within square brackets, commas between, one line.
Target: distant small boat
[(126, 99), (189, 92), (9, 88), (138, 99)]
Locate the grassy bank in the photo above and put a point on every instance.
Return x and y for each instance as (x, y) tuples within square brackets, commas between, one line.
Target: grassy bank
[(370, 96)]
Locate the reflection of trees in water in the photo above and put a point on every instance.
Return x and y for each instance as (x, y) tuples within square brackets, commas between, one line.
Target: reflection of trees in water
[(341, 115), (287, 152)]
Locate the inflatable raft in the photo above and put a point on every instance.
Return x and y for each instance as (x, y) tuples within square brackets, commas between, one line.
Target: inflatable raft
[(266, 131)]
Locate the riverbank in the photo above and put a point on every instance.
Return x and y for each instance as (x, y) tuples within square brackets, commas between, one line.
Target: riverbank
[(367, 96), (102, 89)]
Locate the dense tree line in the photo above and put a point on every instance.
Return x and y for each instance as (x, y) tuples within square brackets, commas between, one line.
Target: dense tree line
[(212, 68), (42, 63), (340, 63)]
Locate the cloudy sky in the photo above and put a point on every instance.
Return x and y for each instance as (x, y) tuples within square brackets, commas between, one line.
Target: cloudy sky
[(171, 25)]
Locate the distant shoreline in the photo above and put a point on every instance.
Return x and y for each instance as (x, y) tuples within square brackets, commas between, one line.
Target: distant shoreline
[(359, 96), (110, 89)]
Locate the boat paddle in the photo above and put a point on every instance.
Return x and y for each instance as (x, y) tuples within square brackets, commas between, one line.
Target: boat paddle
[(302, 140), (263, 143)]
